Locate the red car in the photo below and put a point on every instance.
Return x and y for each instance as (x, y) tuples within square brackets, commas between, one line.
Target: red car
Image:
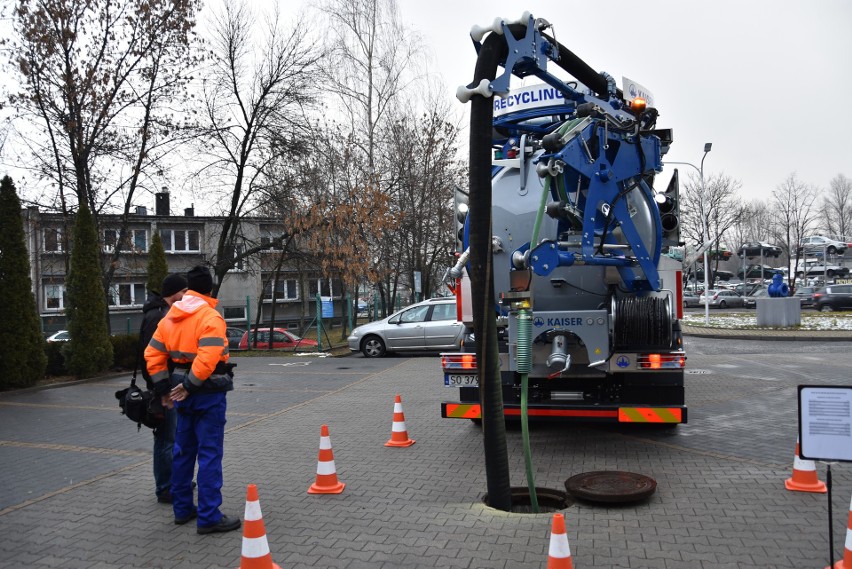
[(281, 338)]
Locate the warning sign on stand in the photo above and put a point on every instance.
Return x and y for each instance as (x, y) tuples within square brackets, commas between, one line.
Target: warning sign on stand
[(825, 423)]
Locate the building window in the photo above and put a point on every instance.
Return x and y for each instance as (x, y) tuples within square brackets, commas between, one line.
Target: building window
[(127, 294), (180, 240), (54, 297), (324, 287), (270, 235), (285, 289), (53, 239), (136, 240), (231, 313), (233, 252)]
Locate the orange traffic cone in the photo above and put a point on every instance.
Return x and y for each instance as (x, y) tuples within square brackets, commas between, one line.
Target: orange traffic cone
[(256, 553), (559, 555), (846, 562), (326, 482), (399, 435), (804, 477)]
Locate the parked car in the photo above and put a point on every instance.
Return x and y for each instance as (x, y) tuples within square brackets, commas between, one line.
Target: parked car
[(833, 297), (805, 294), (820, 269), (281, 338), (754, 272), (746, 289), (720, 275), (234, 336), (61, 336), (817, 244), (755, 249), (429, 326), (750, 301), (690, 299), (721, 298), (720, 254)]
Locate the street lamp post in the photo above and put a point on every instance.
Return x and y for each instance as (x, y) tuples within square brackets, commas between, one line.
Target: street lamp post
[(706, 229)]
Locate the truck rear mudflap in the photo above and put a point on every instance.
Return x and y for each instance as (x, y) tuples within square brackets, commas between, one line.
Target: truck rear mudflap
[(599, 413)]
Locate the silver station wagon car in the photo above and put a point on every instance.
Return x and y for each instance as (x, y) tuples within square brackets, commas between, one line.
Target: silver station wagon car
[(428, 326)]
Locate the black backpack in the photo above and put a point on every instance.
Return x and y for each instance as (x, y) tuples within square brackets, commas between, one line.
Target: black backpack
[(141, 407)]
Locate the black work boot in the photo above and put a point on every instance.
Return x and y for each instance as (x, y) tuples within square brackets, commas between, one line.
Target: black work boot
[(225, 524)]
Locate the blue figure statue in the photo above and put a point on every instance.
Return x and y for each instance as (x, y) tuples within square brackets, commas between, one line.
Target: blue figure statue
[(778, 288)]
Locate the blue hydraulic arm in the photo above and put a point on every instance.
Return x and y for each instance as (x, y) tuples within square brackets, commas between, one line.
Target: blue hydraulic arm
[(611, 154)]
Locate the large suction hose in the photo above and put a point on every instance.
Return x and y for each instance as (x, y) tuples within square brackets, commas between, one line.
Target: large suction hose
[(482, 280)]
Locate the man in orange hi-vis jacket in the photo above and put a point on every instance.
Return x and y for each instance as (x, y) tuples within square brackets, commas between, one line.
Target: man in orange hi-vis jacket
[(191, 341)]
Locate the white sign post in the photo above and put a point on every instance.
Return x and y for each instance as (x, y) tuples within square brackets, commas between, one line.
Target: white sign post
[(825, 433)]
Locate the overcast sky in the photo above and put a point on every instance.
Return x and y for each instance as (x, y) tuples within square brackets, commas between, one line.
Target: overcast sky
[(767, 82)]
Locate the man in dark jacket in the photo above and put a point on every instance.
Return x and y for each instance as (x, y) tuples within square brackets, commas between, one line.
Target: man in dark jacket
[(155, 308)]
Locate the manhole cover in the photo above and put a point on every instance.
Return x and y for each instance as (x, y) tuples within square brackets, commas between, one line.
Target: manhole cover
[(610, 486)]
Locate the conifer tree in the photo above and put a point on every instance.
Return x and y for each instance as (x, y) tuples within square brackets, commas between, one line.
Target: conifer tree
[(158, 267), (21, 341), (89, 350)]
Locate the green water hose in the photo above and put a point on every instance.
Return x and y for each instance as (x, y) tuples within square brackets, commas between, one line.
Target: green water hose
[(524, 359)]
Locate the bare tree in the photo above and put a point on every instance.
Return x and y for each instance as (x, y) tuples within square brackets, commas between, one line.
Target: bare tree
[(424, 172), (255, 97), (331, 205), (721, 207), (837, 207), (795, 210), (370, 55), (95, 77), (98, 81)]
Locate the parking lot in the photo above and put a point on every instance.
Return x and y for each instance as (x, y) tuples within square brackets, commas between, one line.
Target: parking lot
[(76, 488)]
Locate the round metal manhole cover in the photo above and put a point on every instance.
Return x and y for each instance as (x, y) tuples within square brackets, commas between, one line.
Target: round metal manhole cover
[(610, 486)]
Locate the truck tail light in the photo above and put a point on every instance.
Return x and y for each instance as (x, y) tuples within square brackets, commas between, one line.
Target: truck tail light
[(457, 362), (661, 361)]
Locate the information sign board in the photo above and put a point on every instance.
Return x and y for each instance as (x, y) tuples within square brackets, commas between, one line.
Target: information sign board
[(825, 423)]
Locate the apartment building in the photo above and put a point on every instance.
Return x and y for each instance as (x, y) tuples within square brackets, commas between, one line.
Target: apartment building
[(188, 240)]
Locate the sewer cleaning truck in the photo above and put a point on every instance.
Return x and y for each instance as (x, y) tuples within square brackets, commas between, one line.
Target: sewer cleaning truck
[(587, 303)]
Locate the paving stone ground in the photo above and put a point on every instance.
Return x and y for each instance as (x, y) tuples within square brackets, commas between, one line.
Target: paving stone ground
[(78, 486)]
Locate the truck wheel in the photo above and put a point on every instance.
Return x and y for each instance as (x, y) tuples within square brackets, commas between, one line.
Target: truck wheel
[(373, 347), (826, 308)]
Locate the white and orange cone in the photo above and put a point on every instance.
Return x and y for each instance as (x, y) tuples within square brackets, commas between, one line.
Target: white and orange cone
[(399, 434), (326, 482), (846, 562), (804, 477), (255, 554), (559, 554)]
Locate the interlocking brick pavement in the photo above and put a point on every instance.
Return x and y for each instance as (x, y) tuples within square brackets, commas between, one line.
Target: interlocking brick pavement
[(720, 500)]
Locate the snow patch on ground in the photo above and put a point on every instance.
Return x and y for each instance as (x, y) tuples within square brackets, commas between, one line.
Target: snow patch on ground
[(814, 321)]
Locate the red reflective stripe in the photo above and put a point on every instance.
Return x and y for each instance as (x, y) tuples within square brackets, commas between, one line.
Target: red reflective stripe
[(463, 411), (650, 415)]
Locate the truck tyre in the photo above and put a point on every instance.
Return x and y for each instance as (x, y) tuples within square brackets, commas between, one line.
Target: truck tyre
[(373, 347)]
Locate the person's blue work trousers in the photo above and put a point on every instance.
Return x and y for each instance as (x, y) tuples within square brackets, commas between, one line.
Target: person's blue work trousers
[(200, 433), (164, 441)]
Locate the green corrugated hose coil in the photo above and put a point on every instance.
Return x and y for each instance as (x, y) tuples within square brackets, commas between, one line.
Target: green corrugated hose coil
[(524, 367)]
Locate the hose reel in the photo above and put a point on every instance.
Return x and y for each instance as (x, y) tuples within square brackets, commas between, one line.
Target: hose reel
[(642, 322)]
